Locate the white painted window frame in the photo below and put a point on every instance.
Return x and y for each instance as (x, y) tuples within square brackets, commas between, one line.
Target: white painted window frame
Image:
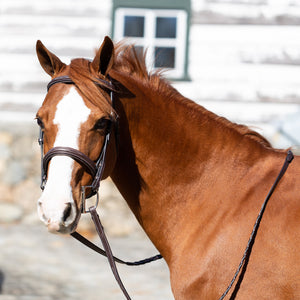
[(149, 41)]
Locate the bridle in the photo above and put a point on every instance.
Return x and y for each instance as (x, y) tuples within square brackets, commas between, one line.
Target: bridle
[(95, 169)]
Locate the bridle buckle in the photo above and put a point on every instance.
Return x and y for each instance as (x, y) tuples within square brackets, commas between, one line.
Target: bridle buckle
[(84, 207), (43, 181)]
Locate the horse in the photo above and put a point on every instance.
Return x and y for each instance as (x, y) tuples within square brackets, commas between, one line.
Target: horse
[(194, 181)]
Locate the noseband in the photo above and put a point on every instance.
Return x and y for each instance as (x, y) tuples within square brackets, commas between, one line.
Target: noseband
[(95, 169)]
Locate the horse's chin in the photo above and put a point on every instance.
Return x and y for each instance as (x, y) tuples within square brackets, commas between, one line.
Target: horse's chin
[(56, 228)]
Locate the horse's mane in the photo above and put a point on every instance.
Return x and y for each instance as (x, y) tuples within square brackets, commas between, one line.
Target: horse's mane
[(129, 60)]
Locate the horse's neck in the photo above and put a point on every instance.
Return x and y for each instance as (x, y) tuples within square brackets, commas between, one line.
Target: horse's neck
[(166, 151), (160, 135)]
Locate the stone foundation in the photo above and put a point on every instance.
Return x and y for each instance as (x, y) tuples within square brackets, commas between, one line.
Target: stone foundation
[(20, 185)]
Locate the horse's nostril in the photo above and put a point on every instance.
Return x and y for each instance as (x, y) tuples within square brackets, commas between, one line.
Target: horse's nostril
[(67, 212)]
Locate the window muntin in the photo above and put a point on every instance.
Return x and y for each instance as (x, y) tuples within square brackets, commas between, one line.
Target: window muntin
[(164, 36)]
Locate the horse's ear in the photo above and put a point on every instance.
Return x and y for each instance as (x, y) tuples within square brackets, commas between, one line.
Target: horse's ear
[(49, 62), (104, 58)]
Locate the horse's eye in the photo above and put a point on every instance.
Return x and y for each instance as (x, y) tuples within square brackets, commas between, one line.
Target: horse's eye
[(101, 124), (40, 122)]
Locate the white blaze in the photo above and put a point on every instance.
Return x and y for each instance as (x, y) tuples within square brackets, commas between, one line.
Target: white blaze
[(71, 112)]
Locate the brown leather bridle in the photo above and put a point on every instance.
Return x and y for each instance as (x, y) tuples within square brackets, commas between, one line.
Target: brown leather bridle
[(95, 169)]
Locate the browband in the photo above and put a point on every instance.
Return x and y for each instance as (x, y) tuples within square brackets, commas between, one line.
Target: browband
[(67, 80), (62, 79)]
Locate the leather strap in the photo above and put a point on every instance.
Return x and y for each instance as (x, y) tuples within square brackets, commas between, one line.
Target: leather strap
[(67, 80), (94, 169), (60, 79), (107, 248), (100, 251), (100, 165), (250, 244), (88, 165)]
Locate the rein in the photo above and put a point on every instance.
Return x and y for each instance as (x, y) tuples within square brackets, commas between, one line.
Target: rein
[(250, 243), (95, 169)]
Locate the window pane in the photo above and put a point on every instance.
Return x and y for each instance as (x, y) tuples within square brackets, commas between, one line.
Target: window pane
[(134, 26), (166, 27), (164, 57)]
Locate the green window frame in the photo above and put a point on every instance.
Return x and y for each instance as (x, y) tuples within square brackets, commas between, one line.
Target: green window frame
[(161, 27)]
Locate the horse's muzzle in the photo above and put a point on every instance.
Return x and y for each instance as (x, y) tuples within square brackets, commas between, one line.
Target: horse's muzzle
[(59, 221)]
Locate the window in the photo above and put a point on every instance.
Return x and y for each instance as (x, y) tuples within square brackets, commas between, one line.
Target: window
[(163, 32)]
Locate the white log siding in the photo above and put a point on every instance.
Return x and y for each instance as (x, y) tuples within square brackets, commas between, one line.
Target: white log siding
[(244, 57)]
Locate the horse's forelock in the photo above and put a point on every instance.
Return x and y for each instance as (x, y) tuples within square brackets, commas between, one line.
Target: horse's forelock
[(85, 79)]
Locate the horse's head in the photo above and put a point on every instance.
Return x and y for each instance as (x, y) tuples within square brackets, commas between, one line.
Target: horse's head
[(75, 120)]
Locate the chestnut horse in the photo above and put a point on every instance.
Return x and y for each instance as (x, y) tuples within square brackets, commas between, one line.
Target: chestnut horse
[(194, 181)]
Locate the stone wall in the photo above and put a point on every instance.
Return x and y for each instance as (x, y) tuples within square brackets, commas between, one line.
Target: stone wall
[(20, 184), (19, 168)]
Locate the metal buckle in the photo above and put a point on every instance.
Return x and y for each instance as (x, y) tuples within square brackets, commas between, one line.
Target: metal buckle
[(43, 182), (84, 200)]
